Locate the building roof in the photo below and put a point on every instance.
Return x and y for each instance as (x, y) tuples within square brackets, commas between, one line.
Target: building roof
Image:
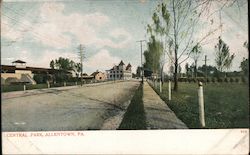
[(33, 69), (121, 63), (19, 61), (94, 74), (128, 66)]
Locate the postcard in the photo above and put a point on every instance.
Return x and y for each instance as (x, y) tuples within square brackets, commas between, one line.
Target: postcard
[(124, 77)]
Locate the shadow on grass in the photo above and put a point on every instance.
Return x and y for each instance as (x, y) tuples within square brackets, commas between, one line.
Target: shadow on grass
[(134, 118)]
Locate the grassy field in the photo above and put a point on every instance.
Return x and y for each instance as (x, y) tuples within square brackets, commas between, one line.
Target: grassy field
[(226, 105), (134, 118)]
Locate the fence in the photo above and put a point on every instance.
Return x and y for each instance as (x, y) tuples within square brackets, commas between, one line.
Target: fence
[(22, 87)]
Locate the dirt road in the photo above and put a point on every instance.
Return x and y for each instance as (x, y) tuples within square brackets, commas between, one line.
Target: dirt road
[(83, 108)]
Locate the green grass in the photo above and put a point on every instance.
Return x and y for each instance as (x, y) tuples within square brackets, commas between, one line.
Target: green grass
[(226, 104), (8, 88), (134, 118), (36, 86)]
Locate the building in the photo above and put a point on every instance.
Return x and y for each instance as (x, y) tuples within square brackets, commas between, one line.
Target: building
[(99, 76), (120, 72), (18, 72)]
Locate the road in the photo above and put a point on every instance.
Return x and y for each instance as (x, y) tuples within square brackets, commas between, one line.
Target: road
[(78, 108)]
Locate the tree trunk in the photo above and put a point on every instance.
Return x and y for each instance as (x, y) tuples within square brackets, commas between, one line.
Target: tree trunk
[(195, 69), (175, 75)]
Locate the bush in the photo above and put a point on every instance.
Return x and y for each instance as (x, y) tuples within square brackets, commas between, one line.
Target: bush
[(225, 80), (208, 80), (243, 79), (236, 80), (231, 80), (219, 80), (193, 80), (213, 80)]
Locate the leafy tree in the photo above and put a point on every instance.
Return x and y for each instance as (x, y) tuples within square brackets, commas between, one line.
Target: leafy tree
[(210, 69), (63, 65), (187, 69), (152, 54), (244, 65), (52, 64), (179, 70), (195, 55), (223, 59), (77, 69)]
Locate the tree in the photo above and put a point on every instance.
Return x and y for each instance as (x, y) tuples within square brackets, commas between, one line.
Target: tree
[(244, 65), (52, 64), (210, 69), (63, 65), (187, 69), (152, 54), (223, 59), (195, 55), (179, 70), (77, 69), (175, 22)]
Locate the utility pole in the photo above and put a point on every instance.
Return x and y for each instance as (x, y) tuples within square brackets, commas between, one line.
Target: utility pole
[(142, 70), (81, 55), (206, 67)]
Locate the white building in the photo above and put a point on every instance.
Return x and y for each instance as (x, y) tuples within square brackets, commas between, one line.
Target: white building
[(120, 72)]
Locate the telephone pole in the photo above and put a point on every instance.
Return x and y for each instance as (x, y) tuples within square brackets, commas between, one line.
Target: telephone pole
[(142, 70), (206, 67), (81, 55)]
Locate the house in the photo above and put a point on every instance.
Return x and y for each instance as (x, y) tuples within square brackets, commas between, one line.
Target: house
[(120, 72), (99, 76), (18, 72)]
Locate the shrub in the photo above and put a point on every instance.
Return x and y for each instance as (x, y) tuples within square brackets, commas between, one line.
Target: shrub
[(243, 79), (208, 80), (231, 80), (236, 80), (213, 80), (219, 80), (193, 80), (225, 80)]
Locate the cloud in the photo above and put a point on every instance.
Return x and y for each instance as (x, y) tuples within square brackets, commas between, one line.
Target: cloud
[(101, 61), (87, 28), (8, 31)]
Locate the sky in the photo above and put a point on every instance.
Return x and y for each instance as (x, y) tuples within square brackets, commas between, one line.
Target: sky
[(40, 31)]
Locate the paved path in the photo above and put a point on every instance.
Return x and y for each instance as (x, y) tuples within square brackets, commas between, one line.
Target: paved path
[(98, 106), (158, 114)]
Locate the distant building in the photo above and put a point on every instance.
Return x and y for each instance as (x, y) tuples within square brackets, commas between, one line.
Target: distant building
[(99, 76), (120, 72), (20, 73)]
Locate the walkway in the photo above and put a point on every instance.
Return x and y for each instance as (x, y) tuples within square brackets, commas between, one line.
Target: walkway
[(158, 114)]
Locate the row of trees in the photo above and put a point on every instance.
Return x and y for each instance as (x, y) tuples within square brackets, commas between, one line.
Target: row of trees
[(61, 73), (171, 34), (66, 64)]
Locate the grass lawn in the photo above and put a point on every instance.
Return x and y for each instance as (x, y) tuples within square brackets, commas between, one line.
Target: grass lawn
[(134, 118), (226, 104)]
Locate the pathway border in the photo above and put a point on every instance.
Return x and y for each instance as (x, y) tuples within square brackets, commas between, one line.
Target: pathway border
[(158, 114)]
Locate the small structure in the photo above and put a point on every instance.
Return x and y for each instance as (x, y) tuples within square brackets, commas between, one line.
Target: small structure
[(20, 73), (99, 76), (19, 64), (120, 72)]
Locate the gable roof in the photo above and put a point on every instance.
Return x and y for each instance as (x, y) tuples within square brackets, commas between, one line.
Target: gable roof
[(19, 61), (128, 66), (121, 63), (94, 74)]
